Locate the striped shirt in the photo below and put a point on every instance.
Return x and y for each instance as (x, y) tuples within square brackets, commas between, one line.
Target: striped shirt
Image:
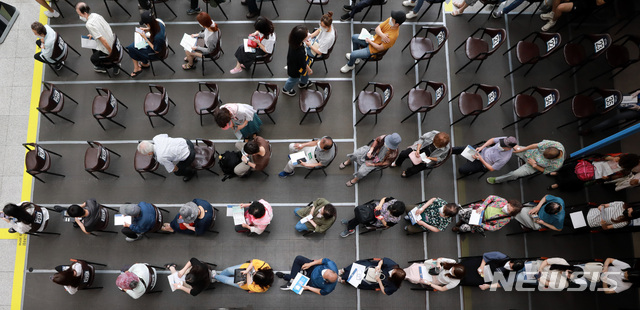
[(609, 214)]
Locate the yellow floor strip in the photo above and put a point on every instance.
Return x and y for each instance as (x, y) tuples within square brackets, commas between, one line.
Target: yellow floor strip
[(448, 6)]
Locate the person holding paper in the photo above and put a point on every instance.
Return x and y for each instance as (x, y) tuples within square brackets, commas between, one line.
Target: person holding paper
[(618, 276), (258, 276), (546, 156), (46, 40), (382, 214), (434, 216), (613, 215), (380, 154), (317, 152), (322, 273), (100, 31), (490, 156), (257, 217), (143, 218), (320, 41), (433, 144), (197, 276), (383, 274), (577, 174), (175, 154), (240, 117), (264, 40), (89, 216), (135, 280), (211, 38), (155, 43), (194, 218), (385, 37), (69, 276), (496, 212), (441, 274), (317, 217), (549, 213), (255, 156), (26, 217), (298, 68)]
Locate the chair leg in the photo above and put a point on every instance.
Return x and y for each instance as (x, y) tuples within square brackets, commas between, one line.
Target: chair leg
[(308, 173), (166, 64), (533, 65), (168, 7), (308, 9), (569, 123), (168, 121), (221, 10), (365, 14), (153, 70), (91, 173), (424, 115), (37, 178), (513, 123), (150, 121), (561, 73), (269, 116), (47, 117), (212, 172), (160, 175), (215, 62), (99, 123), (527, 123), (474, 15), (363, 116), (53, 173), (410, 115), (70, 69), (106, 5), (325, 66), (425, 12), (140, 173), (318, 113), (361, 67), (305, 115), (263, 172), (275, 9), (109, 173), (268, 68), (200, 119), (459, 120), (62, 117), (470, 60), (478, 68), (73, 49), (120, 5), (116, 123), (474, 119), (514, 70), (413, 66)]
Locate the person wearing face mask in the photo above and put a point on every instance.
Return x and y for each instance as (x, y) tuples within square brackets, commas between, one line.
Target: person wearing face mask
[(548, 213), (156, 43), (100, 31), (434, 144), (385, 36), (545, 156), (46, 40), (435, 215), (298, 68), (211, 38), (490, 156), (320, 41), (383, 274), (443, 273), (322, 216), (496, 212), (318, 153)]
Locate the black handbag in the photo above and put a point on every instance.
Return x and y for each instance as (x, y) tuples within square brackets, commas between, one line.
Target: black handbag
[(364, 213)]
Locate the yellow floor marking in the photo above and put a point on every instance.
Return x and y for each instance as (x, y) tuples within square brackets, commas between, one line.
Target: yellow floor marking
[(448, 6)]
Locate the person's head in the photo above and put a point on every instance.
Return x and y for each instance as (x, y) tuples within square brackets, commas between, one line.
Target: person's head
[(127, 281), (147, 19), (222, 117), (251, 147), (204, 19), (328, 211), (18, 213), (145, 147), (297, 35), (326, 143), (263, 278), (75, 211), (513, 207), (131, 209), (67, 277), (83, 11), (392, 141), (631, 275), (264, 25), (455, 271), (397, 18), (256, 209), (628, 161), (551, 153), (450, 210), (190, 278), (441, 140), (397, 276), (508, 143), (189, 212), (326, 20), (628, 213), (516, 264), (38, 29), (397, 208), (330, 276), (552, 208)]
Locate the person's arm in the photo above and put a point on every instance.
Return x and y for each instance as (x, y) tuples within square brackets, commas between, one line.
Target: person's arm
[(81, 225), (426, 205), (244, 124), (486, 144), (308, 265), (105, 43), (312, 289), (384, 36), (184, 269), (381, 285), (518, 148), (484, 162), (543, 223), (534, 164)]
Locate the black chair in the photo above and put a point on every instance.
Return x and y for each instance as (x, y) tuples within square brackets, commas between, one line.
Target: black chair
[(105, 106), (160, 56), (60, 52), (529, 52), (526, 105), (619, 57), (335, 148), (205, 102), (325, 56), (432, 2), (265, 101), (479, 49), (472, 103), (625, 10), (375, 57), (438, 164), (154, 2), (52, 101), (587, 107), (423, 47), (115, 58), (88, 274), (540, 2), (205, 156), (264, 59), (373, 102), (97, 158), (118, 3), (38, 160), (322, 3), (420, 100), (206, 4), (576, 55), (495, 4), (157, 104), (272, 3), (215, 54), (375, 2), (314, 100), (146, 163)]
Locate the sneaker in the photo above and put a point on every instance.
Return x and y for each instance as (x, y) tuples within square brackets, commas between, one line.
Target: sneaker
[(497, 14), (406, 217), (348, 55), (193, 11), (346, 17), (12, 231), (301, 86), (284, 174), (491, 180), (347, 8), (59, 66), (347, 68), (116, 70), (133, 239), (213, 274), (547, 16), (344, 222), (548, 25), (279, 274), (99, 69), (291, 92), (341, 272), (285, 287), (405, 228), (409, 3), (347, 232), (53, 14), (411, 15), (286, 67)]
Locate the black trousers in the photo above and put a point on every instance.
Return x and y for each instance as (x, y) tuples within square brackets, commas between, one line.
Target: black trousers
[(469, 167), (184, 167), (95, 57), (414, 168), (194, 4), (129, 233), (253, 6), (297, 266)]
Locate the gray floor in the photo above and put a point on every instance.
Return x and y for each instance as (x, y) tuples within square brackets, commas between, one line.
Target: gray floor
[(283, 243)]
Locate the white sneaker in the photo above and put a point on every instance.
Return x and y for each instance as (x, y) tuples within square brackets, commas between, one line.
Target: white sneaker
[(547, 16), (213, 276), (349, 58), (347, 68), (411, 15), (52, 15), (497, 14), (548, 25), (409, 3), (286, 67)]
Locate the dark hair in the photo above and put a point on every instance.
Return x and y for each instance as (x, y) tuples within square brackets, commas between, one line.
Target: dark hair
[(264, 25), (517, 264), (190, 278), (551, 153), (75, 211), (66, 277), (329, 211), (633, 275), (297, 35), (327, 18), (154, 28), (516, 205), (441, 139), (205, 20), (398, 276), (397, 208), (256, 209), (83, 8), (39, 28), (458, 270), (628, 161), (263, 277), (251, 147), (18, 212), (328, 146), (450, 209), (222, 116), (625, 215), (552, 208)]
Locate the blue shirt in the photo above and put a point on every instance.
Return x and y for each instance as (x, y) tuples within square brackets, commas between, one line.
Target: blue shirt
[(557, 220), (145, 220), (201, 225), (316, 280)]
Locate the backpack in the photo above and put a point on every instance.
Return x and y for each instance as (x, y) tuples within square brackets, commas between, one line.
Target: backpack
[(584, 170), (227, 162)]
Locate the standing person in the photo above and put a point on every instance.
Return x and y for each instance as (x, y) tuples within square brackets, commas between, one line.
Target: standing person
[(195, 218), (382, 152), (323, 215), (50, 12), (320, 41), (211, 38), (100, 31), (549, 213), (318, 153), (194, 8), (155, 43), (298, 68), (46, 41), (257, 217), (492, 155), (434, 144), (264, 39), (239, 117), (175, 154), (546, 156)]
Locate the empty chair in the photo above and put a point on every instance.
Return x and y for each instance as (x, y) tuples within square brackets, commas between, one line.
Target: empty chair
[(264, 59), (272, 3), (215, 54), (264, 101), (97, 158), (146, 163), (528, 53), (206, 4), (322, 3), (205, 155), (577, 55), (494, 3), (374, 2), (618, 55), (314, 100), (373, 102), (52, 101), (118, 3), (38, 160), (432, 2), (154, 2), (326, 55), (157, 104), (479, 49), (421, 100), (423, 47), (587, 106), (60, 52), (526, 105), (115, 58), (472, 103), (160, 56), (105, 106), (204, 102), (375, 57)]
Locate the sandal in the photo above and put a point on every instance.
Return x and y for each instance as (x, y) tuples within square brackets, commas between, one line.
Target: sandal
[(456, 12), (135, 73), (344, 164), (188, 67), (349, 183), (169, 265)]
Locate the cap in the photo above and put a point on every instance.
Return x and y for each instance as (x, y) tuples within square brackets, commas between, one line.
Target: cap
[(398, 16), (124, 280), (146, 17), (392, 141), (130, 209), (508, 142), (189, 212)]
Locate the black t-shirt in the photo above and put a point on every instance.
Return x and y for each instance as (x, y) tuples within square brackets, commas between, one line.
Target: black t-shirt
[(96, 217), (202, 280), (296, 60)]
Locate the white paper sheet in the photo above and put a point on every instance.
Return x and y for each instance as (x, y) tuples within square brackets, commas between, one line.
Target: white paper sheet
[(173, 278), (468, 153), (88, 43), (476, 218), (577, 219), (356, 275), (298, 282), (364, 34), (188, 42), (121, 219)]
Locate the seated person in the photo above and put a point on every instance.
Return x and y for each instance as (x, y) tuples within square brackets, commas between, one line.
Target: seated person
[(143, 218), (195, 218), (259, 276), (320, 41), (25, 218), (89, 216), (618, 276), (385, 36), (255, 156), (383, 214), (209, 34), (239, 117), (613, 215), (136, 280), (463, 5), (434, 144), (549, 213), (318, 153), (380, 154), (198, 276), (383, 274), (631, 180), (435, 216), (555, 273), (265, 40), (355, 7), (156, 43), (69, 276), (322, 273), (497, 213), (577, 174), (498, 263), (492, 155), (46, 41), (444, 273), (546, 156), (323, 215), (566, 6), (627, 111), (257, 217)]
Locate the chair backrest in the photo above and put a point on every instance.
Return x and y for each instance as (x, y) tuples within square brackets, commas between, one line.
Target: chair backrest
[(551, 41), (441, 35), (60, 49), (205, 155), (217, 52), (272, 90), (164, 101), (601, 43), (112, 103), (550, 96), (612, 99), (103, 155), (117, 53), (88, 274), (335, 39), (440, 163), (38, 154), (493, 94), (56, 97), (387, 93), (325, 90), (439, 91), (266, 58), (213, 88), (498, 37)]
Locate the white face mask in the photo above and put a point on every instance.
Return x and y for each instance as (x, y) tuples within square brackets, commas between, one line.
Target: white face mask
[(82, 18), (451, 272), (500, 148), (441, 210), (505, 209), (391, 23), (320, 212), (507, 266), (320, 147)]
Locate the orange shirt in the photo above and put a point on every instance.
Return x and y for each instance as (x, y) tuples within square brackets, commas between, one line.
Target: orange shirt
[(386, 29)]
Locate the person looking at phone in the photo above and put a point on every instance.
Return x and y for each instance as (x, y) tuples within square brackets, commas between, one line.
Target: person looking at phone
[(548, 213), (490, 156), (194, 218), (318, 153), (257, 276), (380, 153)]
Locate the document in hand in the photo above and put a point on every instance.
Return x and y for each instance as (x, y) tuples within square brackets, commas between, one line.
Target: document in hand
[(364, 34), (237, 213), (188, 42), (476, 218), (424, 272), (414, 216), (306, 218), (88, 43), (356, 275), (138, 41), (121, 219), (298, 282), (248, 49), (173, 278), (418, 160), (297, 157), (468, 153)]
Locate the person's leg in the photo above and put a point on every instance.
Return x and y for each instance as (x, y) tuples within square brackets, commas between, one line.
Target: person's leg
[(38, 57), (523, 171), (241, 169), (362, 53), (363, 171), (296, 267), (403, 156), (129, 233), (253, 6), (353, 223), (357, 43), (419, 3), (525, 219), (471, 167), (415, 169), (226, 276), (301, 227), (359, 6), (240, 229), (457, 150), (290, 83), (514, 4), (95, 58), (623, 115), (194, 4), (565, 7)]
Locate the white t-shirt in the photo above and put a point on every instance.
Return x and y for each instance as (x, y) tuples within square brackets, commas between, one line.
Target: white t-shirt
[(269, 42), (142, 272), (99, 28), (170, 151), (614, 276), (325, 39), (77, 268)]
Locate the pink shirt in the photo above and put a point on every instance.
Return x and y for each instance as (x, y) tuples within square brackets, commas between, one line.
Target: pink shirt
[(258, 225)]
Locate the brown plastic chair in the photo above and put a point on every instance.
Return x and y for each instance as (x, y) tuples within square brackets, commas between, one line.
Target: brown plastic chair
[(60, 52), (52, 101), (215, 54), (374, 2), (115, 58), (322, 3), (154, 2), (423, 47), (618, 55), (587, 107), (157, 104), (106, 106), (206, 4), (38, 160), (479, 49), (420, 100), (88, 274), (526, 105), (146, 163), (264, 59), (314, 101), (205, 102), (118, 3), (264, 101), (472, 103), (375, 57), (576, 55), (97, 158), (432, 2), (373, 102), (495, 4), (325, 56), (528, 53), (205, 156), (160, 56)]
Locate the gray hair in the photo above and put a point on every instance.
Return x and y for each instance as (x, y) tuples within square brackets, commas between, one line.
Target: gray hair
[(145, 147)]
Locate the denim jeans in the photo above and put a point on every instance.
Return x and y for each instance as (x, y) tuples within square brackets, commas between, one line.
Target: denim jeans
[(418, 6), (299, 226), (227, 276), (291, 82), (360, 50), (512, 6)]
